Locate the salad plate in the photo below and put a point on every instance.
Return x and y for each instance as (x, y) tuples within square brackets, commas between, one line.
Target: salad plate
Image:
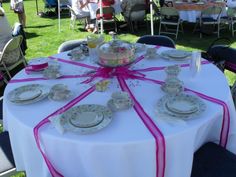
[(28, 94), (183, 106), (87, 118)]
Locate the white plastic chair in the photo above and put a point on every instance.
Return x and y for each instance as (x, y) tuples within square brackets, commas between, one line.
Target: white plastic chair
[(11, 56)]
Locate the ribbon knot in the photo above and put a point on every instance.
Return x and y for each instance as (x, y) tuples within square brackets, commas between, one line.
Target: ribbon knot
[(106, 72)]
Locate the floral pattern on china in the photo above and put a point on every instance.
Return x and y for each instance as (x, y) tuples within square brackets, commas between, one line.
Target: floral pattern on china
[(116, 53)]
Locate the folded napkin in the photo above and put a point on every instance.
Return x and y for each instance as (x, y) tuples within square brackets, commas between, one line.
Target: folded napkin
[(35, 67), (56, 122)]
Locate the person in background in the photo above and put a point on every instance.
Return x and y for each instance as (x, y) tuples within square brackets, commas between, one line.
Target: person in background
[(18, 7), (126, 6), (231, 3), (81, 7), (106, 3), (5, 29)]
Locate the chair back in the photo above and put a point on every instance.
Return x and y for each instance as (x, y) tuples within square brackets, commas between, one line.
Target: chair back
[(157, 40), (213, 10), (69, 45), (231, 12), (108, 12), (19, 30), (72, 12), (169, 11), (11, 51), (137, 12)]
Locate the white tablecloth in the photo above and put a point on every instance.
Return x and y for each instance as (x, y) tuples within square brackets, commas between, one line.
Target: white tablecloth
[(93, 7), (125, 148), (192, 15)]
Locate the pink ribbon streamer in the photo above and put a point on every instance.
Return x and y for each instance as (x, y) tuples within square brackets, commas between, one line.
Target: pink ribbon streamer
[(157, 134), (52, 170), (163, 67), (42, 78), (226, 117), (73, 63)]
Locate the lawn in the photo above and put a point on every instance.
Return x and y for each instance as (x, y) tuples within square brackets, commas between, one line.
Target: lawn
[(43, 37)]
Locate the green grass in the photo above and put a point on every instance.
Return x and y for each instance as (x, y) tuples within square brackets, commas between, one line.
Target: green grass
[(43, 37)]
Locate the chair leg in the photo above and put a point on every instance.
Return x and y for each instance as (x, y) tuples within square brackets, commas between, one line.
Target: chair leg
[(177, 31), (160, 28), (5, 67)]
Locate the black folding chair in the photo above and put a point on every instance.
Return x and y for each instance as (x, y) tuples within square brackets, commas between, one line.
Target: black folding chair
[(212, 160), (157, 40)]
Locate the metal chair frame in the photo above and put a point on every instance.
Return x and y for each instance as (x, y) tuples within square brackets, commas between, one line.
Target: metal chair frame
[(12, 44), (106, 10), (169, 16), (75, 17), (136, 8)]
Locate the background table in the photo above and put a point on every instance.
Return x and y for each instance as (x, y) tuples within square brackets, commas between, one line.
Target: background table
[(125, 148), (191, 11)]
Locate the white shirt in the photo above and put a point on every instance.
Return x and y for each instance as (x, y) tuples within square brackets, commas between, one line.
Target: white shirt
[(5, 28), (76, 7), (231, 3)]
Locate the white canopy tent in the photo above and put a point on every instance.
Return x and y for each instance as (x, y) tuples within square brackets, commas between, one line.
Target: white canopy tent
[(101, 15)]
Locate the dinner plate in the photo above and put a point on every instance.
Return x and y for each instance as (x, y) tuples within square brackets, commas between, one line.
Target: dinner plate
[(28, 94), (182, 106), (177, 55), (87, 118)]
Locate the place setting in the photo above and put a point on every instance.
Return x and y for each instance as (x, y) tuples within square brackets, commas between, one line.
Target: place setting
[(28, 94), (175, 55), (83, 119), (176, 103)]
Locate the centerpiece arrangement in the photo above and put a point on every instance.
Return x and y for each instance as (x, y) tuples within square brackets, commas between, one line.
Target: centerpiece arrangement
[(115, 53)]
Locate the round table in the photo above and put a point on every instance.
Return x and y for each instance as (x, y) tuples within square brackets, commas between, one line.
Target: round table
[(189, 11), (126, 147)]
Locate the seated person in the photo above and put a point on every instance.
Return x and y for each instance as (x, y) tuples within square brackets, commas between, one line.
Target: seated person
[(106, 3), (126, 6), (231, 3), (5, 29), (80, 7)]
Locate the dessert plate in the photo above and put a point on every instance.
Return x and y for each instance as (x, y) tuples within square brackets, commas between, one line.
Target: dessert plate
[(87, 118), (182, 106), (28, 94)]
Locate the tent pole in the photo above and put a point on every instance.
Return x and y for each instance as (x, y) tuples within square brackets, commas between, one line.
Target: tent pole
[(151, 13), (37, 7), (101, 16), (59, 15)]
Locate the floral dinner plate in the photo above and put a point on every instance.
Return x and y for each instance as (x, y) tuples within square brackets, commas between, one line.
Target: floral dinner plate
[(182, 106), (28, 94), (87, 118)]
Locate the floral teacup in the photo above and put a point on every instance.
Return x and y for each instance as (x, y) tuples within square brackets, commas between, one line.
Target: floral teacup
[(173, 86)]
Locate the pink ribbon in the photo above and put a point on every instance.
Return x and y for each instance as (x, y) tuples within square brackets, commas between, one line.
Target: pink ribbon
[(35, 67), (157, 134), (163, 67), (73, 63), (52, 170), (42, 78), (226, 116), (105, 73)]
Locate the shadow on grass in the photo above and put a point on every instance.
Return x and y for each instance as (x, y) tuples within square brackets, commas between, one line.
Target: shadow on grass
[(31, 35), (39, 26)]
